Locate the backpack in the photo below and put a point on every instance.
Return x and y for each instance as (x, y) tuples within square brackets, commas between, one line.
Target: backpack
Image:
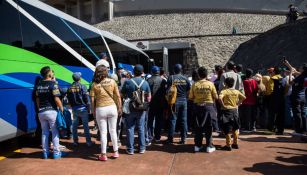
[(171, 94), (138, 102)]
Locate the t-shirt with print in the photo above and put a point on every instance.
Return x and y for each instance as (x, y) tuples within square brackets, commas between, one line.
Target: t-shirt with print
[(250, 89), (183, 86), (299, 86), (77, 95), (230, 98), (46, 90), (104, 92), (129, 87), (203, 91)]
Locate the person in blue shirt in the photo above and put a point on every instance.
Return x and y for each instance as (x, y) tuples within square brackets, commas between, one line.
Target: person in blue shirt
[(78, 98), (183, 86), (298, 97), (136, 118)]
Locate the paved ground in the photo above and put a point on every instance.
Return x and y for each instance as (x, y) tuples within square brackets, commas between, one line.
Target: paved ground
[(259, 153)]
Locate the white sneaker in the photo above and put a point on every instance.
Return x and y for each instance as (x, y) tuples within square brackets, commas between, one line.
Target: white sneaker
[(62, 147), (197, 149), (210, 149), (296, 134)]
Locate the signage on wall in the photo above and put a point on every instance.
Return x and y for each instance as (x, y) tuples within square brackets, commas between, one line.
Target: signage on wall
[(143, 45)]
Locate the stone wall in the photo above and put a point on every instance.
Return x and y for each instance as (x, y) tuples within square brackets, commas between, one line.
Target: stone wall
[(210, 32), (190, 24), (213, 50)]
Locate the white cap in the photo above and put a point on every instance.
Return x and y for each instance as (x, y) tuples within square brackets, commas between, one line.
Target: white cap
[(103, 62)]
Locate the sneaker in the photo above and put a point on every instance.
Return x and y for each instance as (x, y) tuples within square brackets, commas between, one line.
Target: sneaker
[(115, 155), (296, 134), (182, 142), (226, 148), (95, 128), (60, 155), (157, 140), (169, 142), (46, 155), (235, 146), (142, 151), (210, 149), (279, 133), (89, 144), (62, 147), (197, 149), (103, 157), (129, 152), (148, 143)]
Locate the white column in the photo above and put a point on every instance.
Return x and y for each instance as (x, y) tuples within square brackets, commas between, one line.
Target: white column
[(165, 59), (94, 11), (67, 7), (111, 10), (79, 12)]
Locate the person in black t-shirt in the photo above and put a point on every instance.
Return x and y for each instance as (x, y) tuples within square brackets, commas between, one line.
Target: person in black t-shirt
[(158, 88), (48, 100)]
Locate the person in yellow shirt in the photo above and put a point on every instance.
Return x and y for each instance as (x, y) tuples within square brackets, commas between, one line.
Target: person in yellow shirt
[(203, 94), (230, 99)]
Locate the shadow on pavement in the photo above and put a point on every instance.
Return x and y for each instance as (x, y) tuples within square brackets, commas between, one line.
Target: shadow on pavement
[(276, 139), (298, 164)]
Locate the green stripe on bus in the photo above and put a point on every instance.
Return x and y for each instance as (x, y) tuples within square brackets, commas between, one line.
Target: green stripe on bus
[(17, 60)]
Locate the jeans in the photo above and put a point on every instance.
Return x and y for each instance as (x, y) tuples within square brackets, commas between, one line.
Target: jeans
[(147, 139), (48, 120), (299, 114), (154, 125), (84, 117), (288, 112), (136, 119), (181, 114)]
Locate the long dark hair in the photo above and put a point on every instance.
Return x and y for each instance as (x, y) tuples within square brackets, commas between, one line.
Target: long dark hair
[(101, 73)]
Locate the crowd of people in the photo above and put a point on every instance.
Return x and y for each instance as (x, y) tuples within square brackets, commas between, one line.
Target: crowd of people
[(229, 101)]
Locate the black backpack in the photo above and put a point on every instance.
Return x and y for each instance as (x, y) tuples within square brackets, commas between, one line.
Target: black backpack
[(138, 102)]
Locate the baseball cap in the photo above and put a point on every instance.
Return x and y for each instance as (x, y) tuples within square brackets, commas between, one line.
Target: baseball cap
[(177, 67), (103, 62), (138, 68), (76, 76), (155, 69), (103, 54)]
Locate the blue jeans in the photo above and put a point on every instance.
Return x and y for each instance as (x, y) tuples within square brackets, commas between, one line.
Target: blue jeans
[(288, 112), (135, 119), (83, 114), (299, 115), (180, 113), (48, 120), (154, 125)]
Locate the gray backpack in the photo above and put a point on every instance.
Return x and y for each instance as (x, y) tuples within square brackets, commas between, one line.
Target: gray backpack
[(138, 102)]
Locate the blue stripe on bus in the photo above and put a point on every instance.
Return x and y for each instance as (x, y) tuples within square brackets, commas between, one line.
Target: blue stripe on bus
[(88, 47), (15, 81)]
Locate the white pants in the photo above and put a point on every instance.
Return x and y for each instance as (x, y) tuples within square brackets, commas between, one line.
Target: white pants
[(107, 116)]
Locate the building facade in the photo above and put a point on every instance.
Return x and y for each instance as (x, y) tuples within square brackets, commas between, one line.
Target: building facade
[(193, 33)]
